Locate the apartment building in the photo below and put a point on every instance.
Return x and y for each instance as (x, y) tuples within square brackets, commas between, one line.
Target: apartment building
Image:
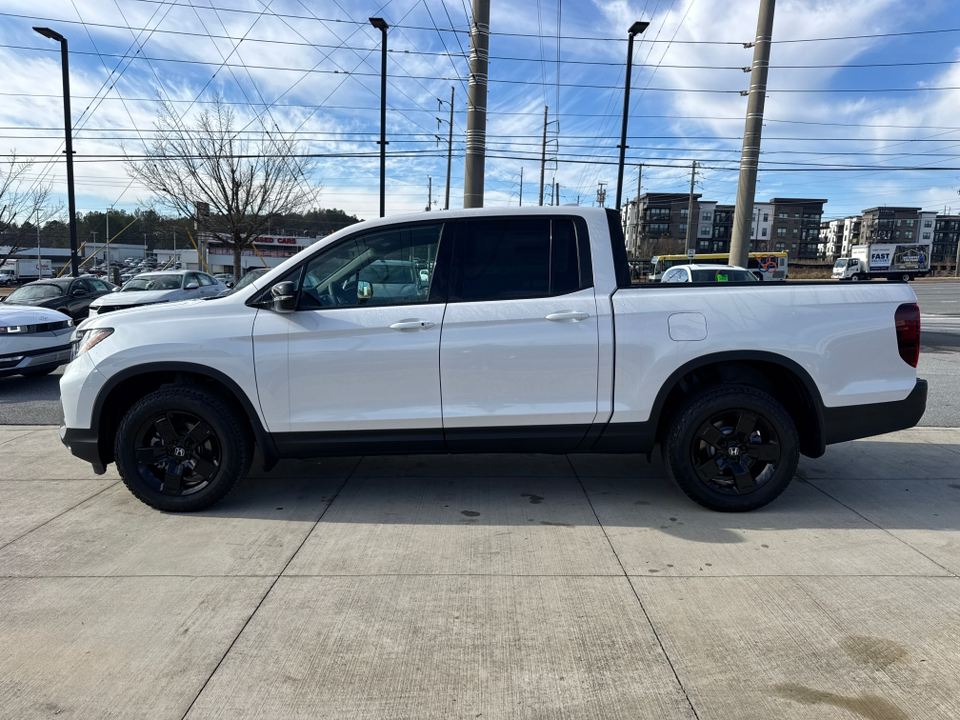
[(946, 236)]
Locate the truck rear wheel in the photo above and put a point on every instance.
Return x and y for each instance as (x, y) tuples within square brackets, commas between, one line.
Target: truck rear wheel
[(182, 449), (732, 448)]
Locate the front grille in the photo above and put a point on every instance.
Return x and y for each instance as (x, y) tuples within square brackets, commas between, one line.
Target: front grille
[(44, 327)]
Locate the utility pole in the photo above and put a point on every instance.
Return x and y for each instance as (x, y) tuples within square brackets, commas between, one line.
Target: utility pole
[(108, 235), (446, 202), (691, 236), (636, 239), (552, 187), (557, 186), (39, 260), (543, 152), (601, 194), (750, 155), (477, 105), (521, 187), (429, 192)]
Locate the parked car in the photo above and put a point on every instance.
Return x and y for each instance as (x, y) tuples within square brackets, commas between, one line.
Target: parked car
[(151, 288), (225, 278), (6, 279), (69, 295), (248, 278), (33, 340), (545, 347), (708, 274)]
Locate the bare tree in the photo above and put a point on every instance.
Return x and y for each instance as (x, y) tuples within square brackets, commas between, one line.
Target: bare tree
[(21, 204), (243, 180)]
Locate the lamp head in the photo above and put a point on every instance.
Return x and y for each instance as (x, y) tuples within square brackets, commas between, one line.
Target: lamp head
[(379, 24), (638, 27), (52, 34)]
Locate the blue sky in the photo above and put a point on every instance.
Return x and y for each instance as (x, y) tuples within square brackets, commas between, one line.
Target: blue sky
[(312, 70)]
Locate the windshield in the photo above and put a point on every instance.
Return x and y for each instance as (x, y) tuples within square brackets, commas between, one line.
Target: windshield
[(842, 262), (248, 278), (723, 276), (35, 292), (153, 282)]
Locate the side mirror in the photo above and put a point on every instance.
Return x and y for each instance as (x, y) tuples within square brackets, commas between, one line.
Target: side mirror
[(364, 290), (192, 286), (283, 297), (229, 283), (79, 292), (116, 288)]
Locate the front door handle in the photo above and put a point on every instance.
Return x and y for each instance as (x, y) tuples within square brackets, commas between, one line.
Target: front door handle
[(412, 325), (567, 316)]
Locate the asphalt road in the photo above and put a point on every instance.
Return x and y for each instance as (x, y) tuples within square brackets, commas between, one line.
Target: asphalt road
[(36, 401)]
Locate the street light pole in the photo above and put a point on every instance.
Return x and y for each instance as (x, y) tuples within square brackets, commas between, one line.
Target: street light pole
[(382, 26), (68, 130), (635, 29)]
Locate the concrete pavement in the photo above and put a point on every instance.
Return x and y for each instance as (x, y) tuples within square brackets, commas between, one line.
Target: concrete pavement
[(484, 586)]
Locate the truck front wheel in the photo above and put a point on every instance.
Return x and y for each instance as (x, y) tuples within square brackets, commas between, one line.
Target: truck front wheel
[(732, 448), (182, 449), (855, 277)]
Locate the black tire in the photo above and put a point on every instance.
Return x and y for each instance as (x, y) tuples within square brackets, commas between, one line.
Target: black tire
[(855, 277), (182, 449), (731, 448), (905, 278)]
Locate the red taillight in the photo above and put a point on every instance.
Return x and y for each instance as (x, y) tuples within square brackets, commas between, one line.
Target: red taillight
[(907, 320)]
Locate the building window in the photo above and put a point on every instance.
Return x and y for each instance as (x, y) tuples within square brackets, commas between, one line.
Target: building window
[(763, 232), (705, 230), (927, 223), (926, 236), (703, 246), (782, 215), (683, 229), (683, 212), (910, 223), (781, 232), (794, 232), (706, 216), (780, 247), (766, 217), (909, 234)]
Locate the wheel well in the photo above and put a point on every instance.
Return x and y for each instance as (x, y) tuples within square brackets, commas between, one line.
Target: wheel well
[(128, 391), (781, 383)]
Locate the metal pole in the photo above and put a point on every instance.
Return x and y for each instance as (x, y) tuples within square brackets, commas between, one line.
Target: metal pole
[(956, 264), (477, 105), (39, 259), (108, 238), (753, 127), (521, 187), (637, 27), (636, 239), (557, 187), (382, 26), (429, 192), (690, 218), (543, 152), (446, 202)]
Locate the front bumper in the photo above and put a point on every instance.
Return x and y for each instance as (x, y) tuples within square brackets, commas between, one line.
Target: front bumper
[(860, 421), (34, 360)]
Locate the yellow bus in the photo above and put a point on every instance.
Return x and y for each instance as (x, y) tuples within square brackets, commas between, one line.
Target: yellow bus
[(769, 265)]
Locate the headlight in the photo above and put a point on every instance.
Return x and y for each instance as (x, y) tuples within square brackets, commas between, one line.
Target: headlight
[(13, 329), (91, 338)]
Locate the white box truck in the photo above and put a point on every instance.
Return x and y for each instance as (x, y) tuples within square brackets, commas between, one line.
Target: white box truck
[(894, 261), (25, 270)]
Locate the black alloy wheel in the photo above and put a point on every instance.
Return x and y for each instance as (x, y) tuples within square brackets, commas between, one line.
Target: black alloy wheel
[(177, 453), (182, 448), (736, 452), (732, 448)]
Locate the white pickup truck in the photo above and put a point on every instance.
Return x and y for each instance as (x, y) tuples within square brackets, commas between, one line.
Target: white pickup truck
[(490, 330)]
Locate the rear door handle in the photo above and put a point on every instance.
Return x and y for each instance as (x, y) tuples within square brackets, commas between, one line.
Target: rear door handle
[(412, 325), (567, 316)]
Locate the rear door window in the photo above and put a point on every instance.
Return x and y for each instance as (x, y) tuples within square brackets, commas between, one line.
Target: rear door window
[(517, 258)]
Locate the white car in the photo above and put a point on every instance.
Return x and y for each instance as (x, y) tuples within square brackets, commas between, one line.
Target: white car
[(6, 279), (152, 288), (707, 274), (33, 341), (526, 336)]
